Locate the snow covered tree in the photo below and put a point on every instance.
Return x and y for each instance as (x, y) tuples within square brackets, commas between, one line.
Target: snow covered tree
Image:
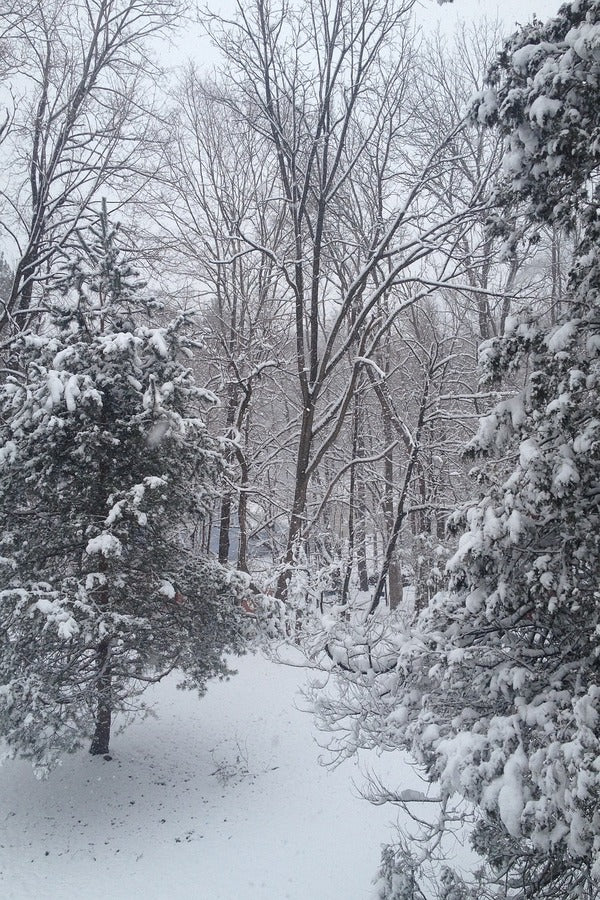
[(496, 691), (332, 96), (80, 84), (521, 628), (105, 465)]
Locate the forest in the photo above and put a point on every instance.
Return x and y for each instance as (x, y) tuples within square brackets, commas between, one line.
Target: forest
[(300, 355)]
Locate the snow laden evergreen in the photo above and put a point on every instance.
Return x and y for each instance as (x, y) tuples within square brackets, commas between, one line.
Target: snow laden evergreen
[(105, 468), (496, 689)]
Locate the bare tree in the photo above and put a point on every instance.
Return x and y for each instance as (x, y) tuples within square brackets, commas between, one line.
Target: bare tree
[(328, 87), (82, 123), (215, 180)]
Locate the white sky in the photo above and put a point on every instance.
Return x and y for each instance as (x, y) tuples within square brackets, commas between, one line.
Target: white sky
[(509, 11), (189, 43)]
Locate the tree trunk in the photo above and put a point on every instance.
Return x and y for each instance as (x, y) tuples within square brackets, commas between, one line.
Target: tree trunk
[(361, 505), (224, 527), (555, 271), (356, 514), (243, 513), (20, 298), (101, 740), (298, 515), (225, 511), (395, 587), (351, 514), (394, 575)]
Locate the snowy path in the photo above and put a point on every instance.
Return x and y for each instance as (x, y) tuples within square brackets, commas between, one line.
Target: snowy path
[(157, 822)]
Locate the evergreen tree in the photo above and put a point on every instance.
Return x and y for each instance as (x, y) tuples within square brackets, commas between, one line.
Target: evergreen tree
[(104, 462), (514, 647), (496, 691)]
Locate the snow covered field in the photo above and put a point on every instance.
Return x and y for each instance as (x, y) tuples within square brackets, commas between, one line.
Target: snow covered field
[(221, 798)]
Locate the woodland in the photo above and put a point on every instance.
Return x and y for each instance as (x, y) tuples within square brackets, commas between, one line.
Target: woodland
[(304, 348)]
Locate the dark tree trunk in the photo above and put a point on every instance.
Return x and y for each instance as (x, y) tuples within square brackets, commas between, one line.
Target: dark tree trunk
[(243, 513), (394, 575), (351, 529), (556, 274), (361, 505), (224, 527), (225, 512), (101, 740), (395, 587), (298, 515), (19, 302), (356, 510)]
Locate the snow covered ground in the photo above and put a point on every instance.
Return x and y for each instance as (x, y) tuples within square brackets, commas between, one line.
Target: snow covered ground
[(221, 798)]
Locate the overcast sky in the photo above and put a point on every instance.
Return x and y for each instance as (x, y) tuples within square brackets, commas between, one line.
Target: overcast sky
[(509, 11), (191, 44)]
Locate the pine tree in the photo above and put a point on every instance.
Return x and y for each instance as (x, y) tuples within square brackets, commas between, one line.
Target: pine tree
[(496, 690), (508, 708), (105, 462)]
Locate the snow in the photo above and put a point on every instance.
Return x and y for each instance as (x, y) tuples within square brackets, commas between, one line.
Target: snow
[(486, 105), (561, 337), (566, 473), (515, 526), (67, 627), (157, 433), (72, 392), (522, 58), (55, 389), (154, 482), (220, 797), (585, 40), (167, 589), (119, 343), (8, 453), (106, 544), (528, 452), (156, 339), (510, 797), (543, 108)]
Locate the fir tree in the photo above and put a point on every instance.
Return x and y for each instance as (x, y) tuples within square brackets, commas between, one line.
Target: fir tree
[(496, 690), (105, 461), (510, 712)]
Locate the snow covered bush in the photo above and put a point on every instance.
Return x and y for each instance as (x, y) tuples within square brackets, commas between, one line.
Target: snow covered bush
[(399, 878), (104, 461), (396, 878)]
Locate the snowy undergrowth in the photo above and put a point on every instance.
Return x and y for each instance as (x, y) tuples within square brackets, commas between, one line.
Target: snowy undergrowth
[(221, 798)]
